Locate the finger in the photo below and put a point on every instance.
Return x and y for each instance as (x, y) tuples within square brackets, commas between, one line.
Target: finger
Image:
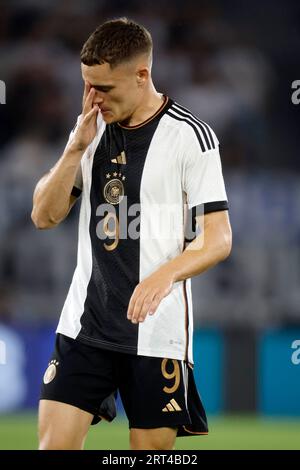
[(87, 87), (136, 310), (88, 102), (140, 313), (151, 308), (93, 112), (144, 310), (131, 305), (137, 305)]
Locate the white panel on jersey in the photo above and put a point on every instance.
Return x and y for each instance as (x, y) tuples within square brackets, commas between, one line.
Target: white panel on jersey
[(69, 323), (176, 170), (161, 196)]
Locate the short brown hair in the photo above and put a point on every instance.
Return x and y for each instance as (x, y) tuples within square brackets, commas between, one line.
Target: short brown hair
[(116, 41)]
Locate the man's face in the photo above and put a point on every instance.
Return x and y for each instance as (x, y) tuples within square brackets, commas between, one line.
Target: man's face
[(117, 90)]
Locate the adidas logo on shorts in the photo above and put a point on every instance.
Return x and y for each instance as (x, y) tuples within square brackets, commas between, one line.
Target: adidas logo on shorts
[(172, 406)]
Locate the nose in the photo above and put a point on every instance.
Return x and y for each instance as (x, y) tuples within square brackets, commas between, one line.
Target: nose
[(98, 97)]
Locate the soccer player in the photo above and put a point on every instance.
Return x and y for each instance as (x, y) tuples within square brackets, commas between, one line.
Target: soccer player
[(141, 163)]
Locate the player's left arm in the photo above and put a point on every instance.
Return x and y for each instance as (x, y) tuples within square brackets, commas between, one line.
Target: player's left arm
[(206, 250)]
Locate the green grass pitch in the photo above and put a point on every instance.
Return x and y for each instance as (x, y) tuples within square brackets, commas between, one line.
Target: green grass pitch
[(18, 431)]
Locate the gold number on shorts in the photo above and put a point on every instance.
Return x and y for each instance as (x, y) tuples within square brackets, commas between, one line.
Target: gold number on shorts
[(175, 374), (111, 233)]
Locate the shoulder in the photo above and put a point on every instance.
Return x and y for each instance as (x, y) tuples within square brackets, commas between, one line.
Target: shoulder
[(191, 127)]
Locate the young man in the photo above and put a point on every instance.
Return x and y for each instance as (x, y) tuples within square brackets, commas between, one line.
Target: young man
[(139, 160)]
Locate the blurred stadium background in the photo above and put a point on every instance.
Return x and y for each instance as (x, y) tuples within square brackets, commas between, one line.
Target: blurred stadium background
[(232, 63)]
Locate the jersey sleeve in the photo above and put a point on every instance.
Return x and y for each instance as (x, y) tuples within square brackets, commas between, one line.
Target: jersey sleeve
[(203, 180)]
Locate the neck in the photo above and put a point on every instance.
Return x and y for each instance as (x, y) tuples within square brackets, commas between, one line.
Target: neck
[(149, 105)]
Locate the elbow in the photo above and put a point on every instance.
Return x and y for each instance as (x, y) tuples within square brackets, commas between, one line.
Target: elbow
[(226, 246), (41, 222)]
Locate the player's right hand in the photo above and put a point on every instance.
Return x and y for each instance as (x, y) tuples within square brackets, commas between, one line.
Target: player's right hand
[(86, 129)]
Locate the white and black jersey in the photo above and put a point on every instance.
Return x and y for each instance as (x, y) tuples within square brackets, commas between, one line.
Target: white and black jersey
[(137, 184)]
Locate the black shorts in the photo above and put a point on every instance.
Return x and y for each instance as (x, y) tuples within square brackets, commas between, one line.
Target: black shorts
[(155, 392)]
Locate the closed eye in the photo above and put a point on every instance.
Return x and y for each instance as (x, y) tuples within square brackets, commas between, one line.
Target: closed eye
[(103, 89)]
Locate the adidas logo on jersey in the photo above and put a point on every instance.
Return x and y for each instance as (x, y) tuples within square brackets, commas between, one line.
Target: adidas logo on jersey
[(172, 406), (120, 158)]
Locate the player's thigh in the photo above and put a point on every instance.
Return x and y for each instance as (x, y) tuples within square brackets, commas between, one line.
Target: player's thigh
[(62, 426), (77, 388), (152, 439)]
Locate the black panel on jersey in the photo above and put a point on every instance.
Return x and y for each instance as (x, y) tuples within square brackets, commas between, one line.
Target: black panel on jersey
[(115, 273)]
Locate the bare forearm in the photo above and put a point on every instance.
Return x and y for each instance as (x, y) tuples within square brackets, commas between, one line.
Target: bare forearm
[(51, 199), (190, 263), (207, 250)]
